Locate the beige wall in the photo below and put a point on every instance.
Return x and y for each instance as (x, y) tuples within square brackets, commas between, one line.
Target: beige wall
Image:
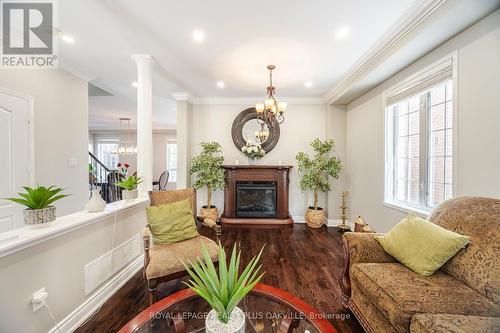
[(58, 265), (478, 113), (336, 127), (303, 123), (60, 123), (160, 138)]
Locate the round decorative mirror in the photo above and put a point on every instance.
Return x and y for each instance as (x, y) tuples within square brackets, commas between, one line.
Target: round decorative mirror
[(247, 129)]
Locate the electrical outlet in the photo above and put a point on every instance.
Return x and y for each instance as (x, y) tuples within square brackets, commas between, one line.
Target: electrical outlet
[(38, 298)]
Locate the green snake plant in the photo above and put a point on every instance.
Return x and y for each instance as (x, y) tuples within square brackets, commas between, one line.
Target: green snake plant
[(223, 291)]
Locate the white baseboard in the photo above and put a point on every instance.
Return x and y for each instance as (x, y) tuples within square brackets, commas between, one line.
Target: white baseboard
[(329, 222), (76, 318)]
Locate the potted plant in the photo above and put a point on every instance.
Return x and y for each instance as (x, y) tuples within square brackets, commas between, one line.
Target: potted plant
[(253, 152), (39, 200), (315, 172), (209, 173), (224, 291), (129, 186)]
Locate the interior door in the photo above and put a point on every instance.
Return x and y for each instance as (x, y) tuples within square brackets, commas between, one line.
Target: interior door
[(15, 161)]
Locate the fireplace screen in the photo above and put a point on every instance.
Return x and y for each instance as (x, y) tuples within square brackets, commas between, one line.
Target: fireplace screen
[(256, 199)]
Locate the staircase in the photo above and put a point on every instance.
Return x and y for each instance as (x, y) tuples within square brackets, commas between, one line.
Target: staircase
[(104, 178)]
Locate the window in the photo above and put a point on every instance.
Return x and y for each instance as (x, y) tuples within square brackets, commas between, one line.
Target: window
[(106, 153), (419, 141), (172, 160)]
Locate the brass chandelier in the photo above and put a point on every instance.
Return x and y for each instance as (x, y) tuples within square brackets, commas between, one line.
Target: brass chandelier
[(270, 112)]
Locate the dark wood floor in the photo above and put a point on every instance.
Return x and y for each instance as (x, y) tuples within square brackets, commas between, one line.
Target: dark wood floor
[(305, 262)]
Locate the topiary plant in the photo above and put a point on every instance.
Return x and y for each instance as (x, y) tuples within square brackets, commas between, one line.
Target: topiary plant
[(316, 169), (207, 167)]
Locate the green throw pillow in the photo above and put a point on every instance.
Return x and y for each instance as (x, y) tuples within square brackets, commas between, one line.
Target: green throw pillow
[(420, 245), (171, 223)]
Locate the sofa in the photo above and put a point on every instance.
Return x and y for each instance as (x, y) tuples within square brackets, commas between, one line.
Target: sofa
[(462, 296)]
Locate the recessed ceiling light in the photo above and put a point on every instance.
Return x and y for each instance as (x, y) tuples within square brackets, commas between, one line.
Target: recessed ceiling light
[(135, 84), (198, 36), (221, 84), (342, 33), (308, 84), (68, 39)]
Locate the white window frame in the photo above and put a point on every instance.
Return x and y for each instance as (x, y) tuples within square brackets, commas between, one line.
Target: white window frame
[(406, 85), (106, 141)]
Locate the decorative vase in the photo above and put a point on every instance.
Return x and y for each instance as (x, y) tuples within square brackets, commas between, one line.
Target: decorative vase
[(96, 203), (252, 161), (209, 213), (35, 218), (236, 322), (128, 195), (315, 218)]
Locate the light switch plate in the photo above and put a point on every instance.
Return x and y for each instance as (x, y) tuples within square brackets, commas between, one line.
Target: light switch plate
[(73, 162)]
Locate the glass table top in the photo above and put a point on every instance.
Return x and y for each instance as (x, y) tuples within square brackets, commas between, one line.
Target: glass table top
[(267, 309)]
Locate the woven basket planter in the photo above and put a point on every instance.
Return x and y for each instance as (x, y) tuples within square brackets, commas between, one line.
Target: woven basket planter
[(209, 213), (39, 217), (315, 218)]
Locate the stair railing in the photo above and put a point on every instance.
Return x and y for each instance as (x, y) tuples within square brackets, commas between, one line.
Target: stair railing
[(101, 176)]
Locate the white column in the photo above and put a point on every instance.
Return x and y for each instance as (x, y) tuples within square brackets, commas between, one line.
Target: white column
[(144, 122), (183, 127)]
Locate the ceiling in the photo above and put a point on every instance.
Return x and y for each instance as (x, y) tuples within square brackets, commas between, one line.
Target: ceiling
[(241, 38)]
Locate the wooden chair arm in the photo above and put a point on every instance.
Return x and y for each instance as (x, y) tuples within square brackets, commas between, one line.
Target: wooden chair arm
[(213, 225), (146, 238)]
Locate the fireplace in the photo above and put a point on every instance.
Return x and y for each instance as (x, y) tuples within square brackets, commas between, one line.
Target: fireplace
[(256, 194), (256, 199)]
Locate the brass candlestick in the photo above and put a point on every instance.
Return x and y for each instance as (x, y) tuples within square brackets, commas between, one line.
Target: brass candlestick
[(343, 226)]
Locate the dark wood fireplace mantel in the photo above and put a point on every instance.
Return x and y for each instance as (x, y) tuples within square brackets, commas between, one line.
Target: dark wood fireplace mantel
[(275, 174)]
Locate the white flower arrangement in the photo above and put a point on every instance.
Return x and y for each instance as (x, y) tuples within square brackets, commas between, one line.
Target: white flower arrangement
[(253, 151)]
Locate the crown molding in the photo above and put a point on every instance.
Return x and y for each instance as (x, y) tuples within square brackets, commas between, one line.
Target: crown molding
[(413, 18), (182, 96), (76, 71), (110, 130), (253, 100)]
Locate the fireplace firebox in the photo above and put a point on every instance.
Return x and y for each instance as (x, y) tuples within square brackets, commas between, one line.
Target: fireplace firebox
[(256, 194), (256, 199)]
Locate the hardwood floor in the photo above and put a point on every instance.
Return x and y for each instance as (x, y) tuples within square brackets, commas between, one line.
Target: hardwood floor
[(305, 262)]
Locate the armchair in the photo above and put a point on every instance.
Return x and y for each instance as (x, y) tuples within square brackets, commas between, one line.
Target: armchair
[(162, 262)]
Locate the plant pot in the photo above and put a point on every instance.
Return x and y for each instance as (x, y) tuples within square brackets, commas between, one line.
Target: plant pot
[(209, 213), (39, 217), (128, 195), (96, 202), (315, 218), (252, 161), (236, 322)]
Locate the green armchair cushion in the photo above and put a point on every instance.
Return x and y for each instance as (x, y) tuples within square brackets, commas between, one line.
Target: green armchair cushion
[(420, 245), (172, 222)]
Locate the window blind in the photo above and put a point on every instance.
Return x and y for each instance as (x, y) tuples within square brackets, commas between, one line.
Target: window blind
[(432, 76)]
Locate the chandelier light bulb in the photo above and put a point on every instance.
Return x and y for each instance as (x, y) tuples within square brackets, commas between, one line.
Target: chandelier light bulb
[(269, 103), (259, 107), (281, 107)]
